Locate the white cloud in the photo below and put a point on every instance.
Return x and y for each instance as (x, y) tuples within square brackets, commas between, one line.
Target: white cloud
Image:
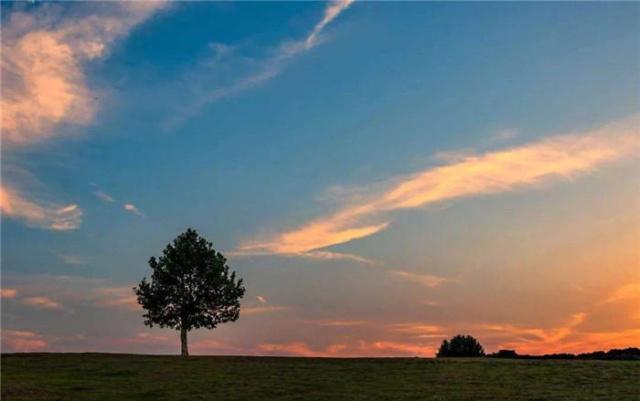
[(130, 207), (330, 13), (103, 196)]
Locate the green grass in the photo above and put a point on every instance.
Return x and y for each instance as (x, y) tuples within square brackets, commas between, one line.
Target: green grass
[(95, 377)]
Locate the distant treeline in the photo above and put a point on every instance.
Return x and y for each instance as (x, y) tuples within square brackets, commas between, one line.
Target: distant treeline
[(626, 354)]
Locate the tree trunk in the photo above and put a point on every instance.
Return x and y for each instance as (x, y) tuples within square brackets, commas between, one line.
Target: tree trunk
[(183, 342)]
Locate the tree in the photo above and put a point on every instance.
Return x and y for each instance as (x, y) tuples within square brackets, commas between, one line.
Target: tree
[(460, 346), (190, 288)]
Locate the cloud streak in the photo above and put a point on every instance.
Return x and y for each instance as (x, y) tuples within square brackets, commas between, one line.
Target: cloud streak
[(103, 196), (42, 302), (267, 69), (426, 280), (494, 172), (39, 214), (330, 13)]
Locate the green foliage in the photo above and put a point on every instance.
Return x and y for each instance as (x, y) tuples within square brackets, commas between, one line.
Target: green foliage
[(190, 286), (460, 346)]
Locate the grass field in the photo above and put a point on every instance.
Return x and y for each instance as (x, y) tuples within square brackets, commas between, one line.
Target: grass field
[(98, 377)]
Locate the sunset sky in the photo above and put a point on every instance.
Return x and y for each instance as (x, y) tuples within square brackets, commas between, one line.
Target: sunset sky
[(382, 175)]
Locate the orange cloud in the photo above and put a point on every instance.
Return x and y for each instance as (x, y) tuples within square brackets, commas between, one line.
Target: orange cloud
[(404, 348), (357, 348), (208, 346), (147, 338), (427, 280), (493, 172), (418, 328), (43, 56), (624, 293), (293, 348), (22, 341), (263, 309), (341, 323), (117, 297), (537, 340), (35, 214), (72, 291), (8, 293), (42, 302)]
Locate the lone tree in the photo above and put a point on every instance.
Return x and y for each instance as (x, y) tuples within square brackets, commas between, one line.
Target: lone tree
[(190, 288), (460, 346)]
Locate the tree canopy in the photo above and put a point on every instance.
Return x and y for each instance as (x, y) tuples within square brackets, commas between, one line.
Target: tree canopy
[(191, 287), (460, 346)]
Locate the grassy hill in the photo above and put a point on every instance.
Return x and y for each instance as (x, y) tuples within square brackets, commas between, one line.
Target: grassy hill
[(95, 377)]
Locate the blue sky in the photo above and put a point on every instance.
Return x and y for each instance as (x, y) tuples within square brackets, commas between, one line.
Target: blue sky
[(252, 121)]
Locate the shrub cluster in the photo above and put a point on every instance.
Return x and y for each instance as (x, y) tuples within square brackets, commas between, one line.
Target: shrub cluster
[(460, 346)]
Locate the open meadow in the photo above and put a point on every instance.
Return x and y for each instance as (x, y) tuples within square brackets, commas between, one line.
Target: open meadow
[(35, 377)]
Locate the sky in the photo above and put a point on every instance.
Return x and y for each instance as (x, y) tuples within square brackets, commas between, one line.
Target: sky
[(381, 175)]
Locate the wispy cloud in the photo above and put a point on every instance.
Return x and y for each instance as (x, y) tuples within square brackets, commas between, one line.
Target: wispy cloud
[(43, 57), (114, 297), (256, 310), (330, 13), (103, 196), (266, 69), (71, 292), (340, 323), (563, 338), (73, 260), (505, 135), (354, 348), (22, 341), (42, 302), (7, 293), (130, 207), (263, 307), (297, 348), (311, 255), (39, 214), (107, 198), (426, 280), (624, 293), (418, 329), (494, 172)]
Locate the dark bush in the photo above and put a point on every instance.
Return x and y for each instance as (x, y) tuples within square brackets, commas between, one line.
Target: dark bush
[(460, 346), (505, 353)]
